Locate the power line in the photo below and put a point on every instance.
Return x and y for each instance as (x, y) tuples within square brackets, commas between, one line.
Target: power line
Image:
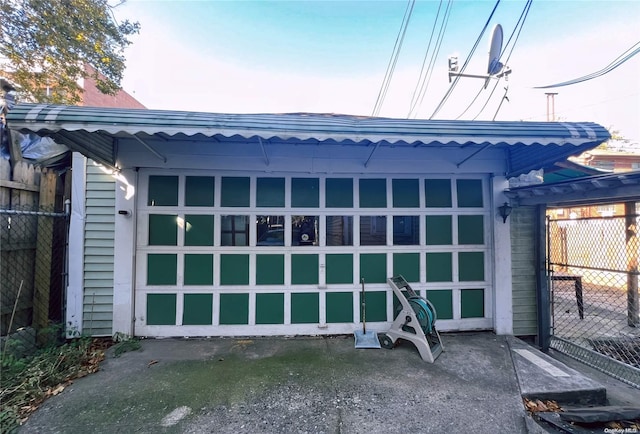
[(425, 76), (466, 62), (394, 58), (613, 65)]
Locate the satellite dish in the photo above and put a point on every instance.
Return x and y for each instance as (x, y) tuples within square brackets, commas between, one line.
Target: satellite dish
[(495, 48)]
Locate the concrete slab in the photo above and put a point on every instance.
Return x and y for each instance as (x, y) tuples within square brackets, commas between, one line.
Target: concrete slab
[(540, 376), (294, 385)]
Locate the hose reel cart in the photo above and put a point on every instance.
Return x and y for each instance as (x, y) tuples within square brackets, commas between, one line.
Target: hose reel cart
[(414, 322)]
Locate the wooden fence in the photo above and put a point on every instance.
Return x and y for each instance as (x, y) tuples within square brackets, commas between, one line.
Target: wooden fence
[(31, 262)]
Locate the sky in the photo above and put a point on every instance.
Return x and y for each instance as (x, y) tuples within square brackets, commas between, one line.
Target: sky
[(331, 57)]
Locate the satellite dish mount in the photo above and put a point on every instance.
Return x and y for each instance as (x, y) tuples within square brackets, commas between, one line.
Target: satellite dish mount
[(495, 69)]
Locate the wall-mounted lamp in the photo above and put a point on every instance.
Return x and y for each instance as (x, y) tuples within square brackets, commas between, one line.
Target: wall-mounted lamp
[(505, 211)]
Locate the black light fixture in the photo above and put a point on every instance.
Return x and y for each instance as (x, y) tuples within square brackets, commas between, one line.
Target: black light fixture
[(505, 211)]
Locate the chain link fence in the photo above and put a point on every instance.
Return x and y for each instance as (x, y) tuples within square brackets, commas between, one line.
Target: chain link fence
[(593, 276), (32, 279)]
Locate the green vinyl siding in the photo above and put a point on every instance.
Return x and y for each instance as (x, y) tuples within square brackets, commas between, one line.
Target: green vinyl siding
[(523, 269), (99, 233)]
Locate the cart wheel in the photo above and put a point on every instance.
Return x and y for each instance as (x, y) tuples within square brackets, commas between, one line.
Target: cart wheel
[(385, 341)]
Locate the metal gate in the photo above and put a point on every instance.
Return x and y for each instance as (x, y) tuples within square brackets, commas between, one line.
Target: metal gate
[(593, 279)]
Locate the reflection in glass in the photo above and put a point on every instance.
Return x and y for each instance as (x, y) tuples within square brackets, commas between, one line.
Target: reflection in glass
[(339, 230), (234, 230), (270, 230), (304, 230), (373, 230), (406, 230)]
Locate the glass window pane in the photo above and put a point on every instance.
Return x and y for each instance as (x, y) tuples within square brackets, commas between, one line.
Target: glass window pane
[(373, 193), (406, 193), (270, 192), (235, 191), (406, 230), (437, 193), (199, 190), (163, 191), (339, 192), (373, 230), (304, 230), (339, 230), (270, 230), (305, 192), (234, 230), (469, 193)]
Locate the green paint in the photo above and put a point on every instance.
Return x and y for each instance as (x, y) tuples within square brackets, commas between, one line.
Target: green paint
[(198, 190), (305, 308), (163, 230), (161, 309), (376, 305), (439, 267), (198, 230), (469, 193), (234, 269), (373, 267), (339, 192), (339, 307), (234, 309), (270, 192), (163, 191), (471, 266), (198, 269), (407, 265), (470, 229), (442, 301), (270, 308), (235, 191), (270, 269), (162, 268), (437, 193), (305, 192), (472, 303), (373, 193), (439, 230), (198, 309), (304, 269), (339, 268), (406, 193)]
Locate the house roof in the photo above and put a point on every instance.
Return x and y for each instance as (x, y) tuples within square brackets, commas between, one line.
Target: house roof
[(609, 188), (95, 132)]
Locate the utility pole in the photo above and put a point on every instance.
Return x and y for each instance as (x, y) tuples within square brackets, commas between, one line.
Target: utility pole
[(551, 106)]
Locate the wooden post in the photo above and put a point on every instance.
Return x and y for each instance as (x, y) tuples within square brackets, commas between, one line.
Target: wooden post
[(632, 263), (43, 252)]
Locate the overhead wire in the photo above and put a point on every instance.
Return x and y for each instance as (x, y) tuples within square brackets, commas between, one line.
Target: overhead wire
[(466, 62), (516, 31), (394, 59), (425, 77), (613, 65)]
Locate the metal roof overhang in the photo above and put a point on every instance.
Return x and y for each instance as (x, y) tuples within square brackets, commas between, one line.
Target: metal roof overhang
[(95, 132), (601, 189)]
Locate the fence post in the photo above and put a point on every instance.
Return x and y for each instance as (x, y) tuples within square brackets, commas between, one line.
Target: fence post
[(632, 263), (43, 251)]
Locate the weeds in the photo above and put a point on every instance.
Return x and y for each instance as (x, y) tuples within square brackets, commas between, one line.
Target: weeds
[(27, 381)]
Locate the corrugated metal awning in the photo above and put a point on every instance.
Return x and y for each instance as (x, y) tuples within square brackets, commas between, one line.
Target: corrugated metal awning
[(92, 131)]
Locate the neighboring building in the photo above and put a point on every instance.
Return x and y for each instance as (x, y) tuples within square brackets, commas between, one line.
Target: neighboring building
[(92, 97), (615, 161), (244, 225)]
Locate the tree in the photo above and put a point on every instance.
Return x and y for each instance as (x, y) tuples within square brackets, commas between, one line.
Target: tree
[(46, 44)]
